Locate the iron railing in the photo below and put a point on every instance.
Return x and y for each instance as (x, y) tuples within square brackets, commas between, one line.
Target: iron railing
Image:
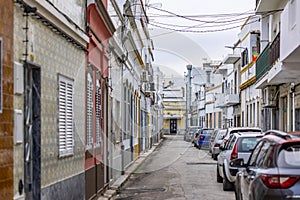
[(268, 57)]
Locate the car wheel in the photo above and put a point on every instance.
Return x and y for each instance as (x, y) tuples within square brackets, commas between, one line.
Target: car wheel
[(238, 195), (219, 178), (227, 185), (214, 156)]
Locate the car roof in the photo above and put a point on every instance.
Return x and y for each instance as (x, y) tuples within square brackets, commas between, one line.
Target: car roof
[(248, 134), (280, 137), (243, 128)]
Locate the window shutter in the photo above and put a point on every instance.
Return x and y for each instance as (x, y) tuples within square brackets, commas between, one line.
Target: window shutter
[(98, 113), (65, 117), (89, 132)]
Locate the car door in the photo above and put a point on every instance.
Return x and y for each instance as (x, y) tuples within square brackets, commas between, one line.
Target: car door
[(224, 153), (247, 173), (255, 172)]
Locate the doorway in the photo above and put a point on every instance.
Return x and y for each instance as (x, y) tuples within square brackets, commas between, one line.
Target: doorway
[(173, 126), (32, 138)]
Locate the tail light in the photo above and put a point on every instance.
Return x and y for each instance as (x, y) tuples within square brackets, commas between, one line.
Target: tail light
[(279, 181), (217, 145), (234, 153)]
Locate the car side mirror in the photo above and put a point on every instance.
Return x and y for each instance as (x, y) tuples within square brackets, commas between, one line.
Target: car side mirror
[(239, 162), (222, 148)]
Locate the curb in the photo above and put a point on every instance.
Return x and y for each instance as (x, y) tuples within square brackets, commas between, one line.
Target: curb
[(115, 187)]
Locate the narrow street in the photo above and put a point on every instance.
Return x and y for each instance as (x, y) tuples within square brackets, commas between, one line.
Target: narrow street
[(175, 170)]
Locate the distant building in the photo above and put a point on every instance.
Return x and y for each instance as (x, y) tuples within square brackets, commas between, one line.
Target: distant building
[(174, 106)]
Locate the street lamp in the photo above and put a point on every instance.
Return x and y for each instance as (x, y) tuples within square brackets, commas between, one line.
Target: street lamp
[(189, 95)]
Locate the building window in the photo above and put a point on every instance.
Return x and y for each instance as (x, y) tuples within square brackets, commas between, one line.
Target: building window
[(98, 113), (245, 59), (292, 14), (1, 89), (89, 112), (65, 116)]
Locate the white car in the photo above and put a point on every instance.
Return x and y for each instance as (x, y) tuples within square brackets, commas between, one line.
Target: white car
[(239, 145)]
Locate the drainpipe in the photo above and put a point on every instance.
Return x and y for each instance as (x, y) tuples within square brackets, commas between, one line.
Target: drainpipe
[(293, 106)]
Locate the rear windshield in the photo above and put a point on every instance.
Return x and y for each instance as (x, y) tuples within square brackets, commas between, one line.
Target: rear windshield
[(289, 156), (221, 135), (246, 144), (208, 132)]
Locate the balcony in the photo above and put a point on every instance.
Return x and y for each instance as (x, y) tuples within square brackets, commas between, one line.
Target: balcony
[(231, 99), (268, 57), (209, 98), (269, 5), (290, 31), (201, 104), (231, 58), (263, 63), (220, 101)]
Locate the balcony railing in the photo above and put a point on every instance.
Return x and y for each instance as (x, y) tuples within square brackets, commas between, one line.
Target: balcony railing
[(268, 57), (275, 49), (263, 63)]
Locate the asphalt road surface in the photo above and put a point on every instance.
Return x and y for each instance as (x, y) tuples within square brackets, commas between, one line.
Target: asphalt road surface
[(175, 170)]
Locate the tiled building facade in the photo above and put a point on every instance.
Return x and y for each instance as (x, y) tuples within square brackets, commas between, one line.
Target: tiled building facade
[(54, 59)]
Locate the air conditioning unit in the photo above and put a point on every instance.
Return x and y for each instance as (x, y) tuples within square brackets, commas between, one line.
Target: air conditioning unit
[(270, 96)]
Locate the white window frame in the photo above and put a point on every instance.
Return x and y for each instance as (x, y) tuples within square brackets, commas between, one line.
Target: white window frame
[(89, 110), (98, 113), (65, 116)]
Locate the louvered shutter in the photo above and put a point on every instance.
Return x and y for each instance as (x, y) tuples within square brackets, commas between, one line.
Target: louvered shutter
[(65, 116), (89, 131), (98, 113)]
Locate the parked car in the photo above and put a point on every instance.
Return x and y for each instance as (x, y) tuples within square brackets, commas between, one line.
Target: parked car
[(232, 130), (239, 145), (273, 170), (216, 141), (204, 138), (212, 138), (189, 135)]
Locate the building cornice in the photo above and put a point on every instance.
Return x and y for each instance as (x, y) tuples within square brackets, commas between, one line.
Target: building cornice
[(56, 18)]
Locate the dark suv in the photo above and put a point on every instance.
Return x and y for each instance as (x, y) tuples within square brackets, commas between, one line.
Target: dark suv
[(273, 169)]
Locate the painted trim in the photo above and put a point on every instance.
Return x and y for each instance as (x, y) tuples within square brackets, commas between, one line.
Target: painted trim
[(247, 67), (53, 16), (249, 82)]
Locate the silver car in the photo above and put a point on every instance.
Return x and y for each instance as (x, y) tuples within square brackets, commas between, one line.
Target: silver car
[(239, 145), (216, 141)]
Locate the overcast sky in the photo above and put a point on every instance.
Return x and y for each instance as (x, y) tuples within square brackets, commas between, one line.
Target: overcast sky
[(211, 42)]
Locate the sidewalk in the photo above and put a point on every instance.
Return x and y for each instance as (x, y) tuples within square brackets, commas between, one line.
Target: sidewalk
[(112, 191)]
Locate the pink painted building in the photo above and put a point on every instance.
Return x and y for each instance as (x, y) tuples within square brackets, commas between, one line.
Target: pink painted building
[(99, 29)]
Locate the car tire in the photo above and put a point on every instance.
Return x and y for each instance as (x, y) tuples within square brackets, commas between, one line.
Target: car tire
[(219, 178), (238, 195), (214, 156), (227, 185)]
